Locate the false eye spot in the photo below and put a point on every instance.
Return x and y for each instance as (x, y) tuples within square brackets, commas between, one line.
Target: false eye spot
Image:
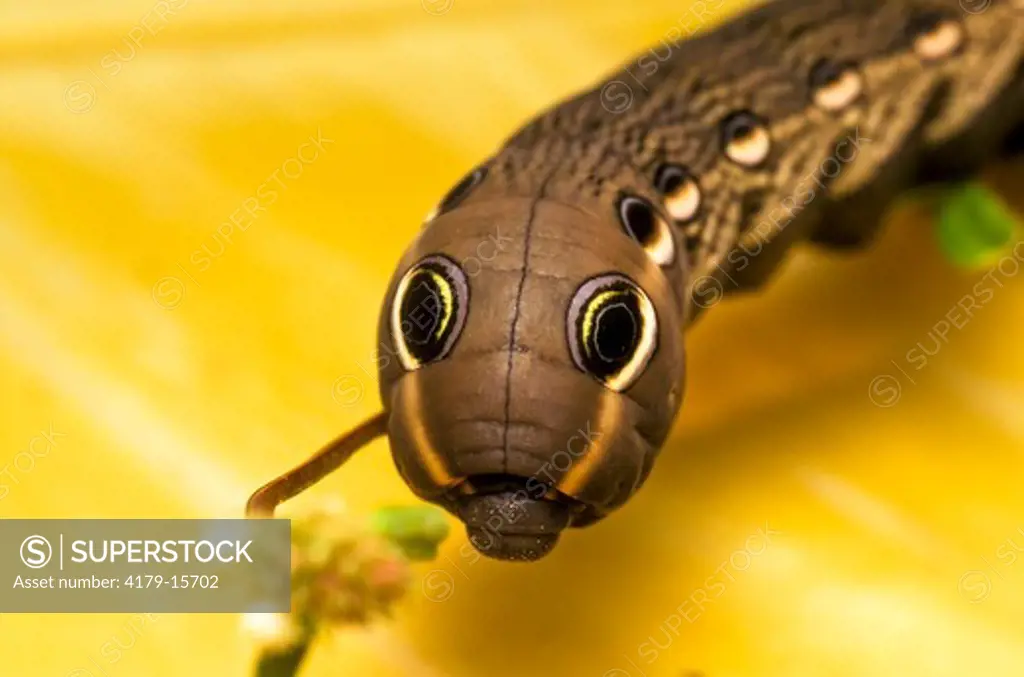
[(643, 223), (745, 139), (834, 86), (612, 329), (458, 193), (681, 190), (936, 35), (428, 311)]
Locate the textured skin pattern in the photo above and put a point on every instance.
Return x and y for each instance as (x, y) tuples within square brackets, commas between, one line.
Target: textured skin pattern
[(911, 113), (936, 90)]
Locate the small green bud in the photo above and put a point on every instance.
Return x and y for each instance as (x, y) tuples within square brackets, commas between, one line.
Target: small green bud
[(417, 530), (975, 225)]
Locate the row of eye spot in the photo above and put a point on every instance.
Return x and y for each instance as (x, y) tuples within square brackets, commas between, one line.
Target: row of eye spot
[(747, 142)]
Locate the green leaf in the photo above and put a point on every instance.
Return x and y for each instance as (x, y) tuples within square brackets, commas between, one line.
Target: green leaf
[(974, 225), (417, 530)]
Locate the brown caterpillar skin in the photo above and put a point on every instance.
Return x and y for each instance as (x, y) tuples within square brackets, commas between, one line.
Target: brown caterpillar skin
[(503, 425)]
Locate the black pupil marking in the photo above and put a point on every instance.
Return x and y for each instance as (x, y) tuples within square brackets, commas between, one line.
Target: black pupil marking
[(670, 178), (423, 314), (825, 73), (615, 333), (615, 330), (739, 126), (925, 23), (462, 189), (639, 219)]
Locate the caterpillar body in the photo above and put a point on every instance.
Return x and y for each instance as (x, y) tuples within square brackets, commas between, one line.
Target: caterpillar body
[(532, 391)]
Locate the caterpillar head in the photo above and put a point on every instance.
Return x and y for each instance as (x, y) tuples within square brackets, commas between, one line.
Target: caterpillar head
[(531, 357)]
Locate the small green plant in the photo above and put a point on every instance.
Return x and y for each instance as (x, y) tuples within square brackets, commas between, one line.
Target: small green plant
[(346, 571), (975, 227)]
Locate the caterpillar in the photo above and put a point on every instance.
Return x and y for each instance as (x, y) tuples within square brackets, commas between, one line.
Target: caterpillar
[(528, 389)]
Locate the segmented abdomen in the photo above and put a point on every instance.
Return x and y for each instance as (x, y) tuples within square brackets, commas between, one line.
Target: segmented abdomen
[(800, 119)]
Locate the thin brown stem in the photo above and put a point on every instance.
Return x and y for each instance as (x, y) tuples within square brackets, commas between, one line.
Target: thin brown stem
[(320, 465)]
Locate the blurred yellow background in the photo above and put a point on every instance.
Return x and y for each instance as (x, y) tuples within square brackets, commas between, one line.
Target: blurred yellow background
[(176, 366)]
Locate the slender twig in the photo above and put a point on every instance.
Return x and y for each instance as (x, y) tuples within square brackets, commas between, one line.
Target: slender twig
[(282, 663)]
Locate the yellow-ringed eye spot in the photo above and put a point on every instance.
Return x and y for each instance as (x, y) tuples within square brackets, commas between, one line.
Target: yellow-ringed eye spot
[(643, 223), (681, 190), (428, 311), (745, 139), (604, 302), (936, 35), (612, 330), (834, 86), (444, 290)]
